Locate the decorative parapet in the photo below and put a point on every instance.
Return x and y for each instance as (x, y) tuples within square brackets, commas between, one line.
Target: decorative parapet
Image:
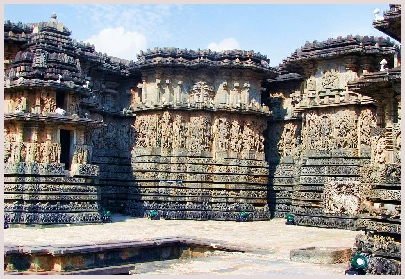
[(172, 57), (333, 48), (17, 32)]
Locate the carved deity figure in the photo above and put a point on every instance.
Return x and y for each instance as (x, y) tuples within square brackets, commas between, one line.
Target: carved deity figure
[(195, 128), (235, 143), (145, 128), (49, 104), (367, 121), (81, 154), (7, 145), (31, 152), (247, 136), (288, 141), (223, 134), (398, 147), (311, 84), (166, 131), (346, 134), (73, 107), (379, 145), (316, 130), (207, 136), (176, 134)]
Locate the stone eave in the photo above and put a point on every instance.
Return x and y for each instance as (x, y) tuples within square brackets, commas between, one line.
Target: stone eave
[(201, 65), (373, 81), (243, 110), (116, 113), (289, 77), (391, 27), (337, 48), (38, 83), (53, 118), (391, 24)]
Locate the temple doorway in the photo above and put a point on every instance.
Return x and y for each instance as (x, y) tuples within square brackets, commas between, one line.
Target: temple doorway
[(65, 144)]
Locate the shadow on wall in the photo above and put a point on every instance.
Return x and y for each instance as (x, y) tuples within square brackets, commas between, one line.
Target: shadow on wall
[(271, 138), (282, 143)]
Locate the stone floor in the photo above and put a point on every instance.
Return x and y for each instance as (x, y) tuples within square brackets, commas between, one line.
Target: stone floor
[(267, 244)]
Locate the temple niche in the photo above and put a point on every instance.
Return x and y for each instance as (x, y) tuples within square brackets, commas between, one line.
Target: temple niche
[(204, 135)]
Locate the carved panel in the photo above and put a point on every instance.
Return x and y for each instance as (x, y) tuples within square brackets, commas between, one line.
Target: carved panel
[(201, 92), (332, 129), (288, 144), (48, 103), (367, 121), (344, 196), (145, 126), (165, 131), (330, 79), (378, 147), (346, 129)]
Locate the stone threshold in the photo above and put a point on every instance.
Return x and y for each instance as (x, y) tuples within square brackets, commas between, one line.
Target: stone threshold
[(106, 258)]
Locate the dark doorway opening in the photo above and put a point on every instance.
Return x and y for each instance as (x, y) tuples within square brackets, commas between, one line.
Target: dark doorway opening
[(65, 143), (61, 100)]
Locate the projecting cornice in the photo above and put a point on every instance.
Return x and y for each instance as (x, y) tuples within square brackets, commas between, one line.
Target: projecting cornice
[(175, 57), (391, 22), (338, 48)]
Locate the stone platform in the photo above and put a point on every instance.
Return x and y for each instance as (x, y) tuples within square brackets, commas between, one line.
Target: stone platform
[(266, 245)]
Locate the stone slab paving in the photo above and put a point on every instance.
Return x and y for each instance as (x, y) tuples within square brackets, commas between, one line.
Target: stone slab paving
[(267, 243)]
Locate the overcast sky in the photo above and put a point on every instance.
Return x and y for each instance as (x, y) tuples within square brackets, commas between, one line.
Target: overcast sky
[(274, 30)]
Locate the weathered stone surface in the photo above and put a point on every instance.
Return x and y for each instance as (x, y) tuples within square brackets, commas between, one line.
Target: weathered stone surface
[(203, 134), (321, 255)]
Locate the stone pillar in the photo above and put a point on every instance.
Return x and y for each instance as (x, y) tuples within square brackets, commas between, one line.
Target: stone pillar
[(245, 97), (144, 89), (157, 91), (178, 94)]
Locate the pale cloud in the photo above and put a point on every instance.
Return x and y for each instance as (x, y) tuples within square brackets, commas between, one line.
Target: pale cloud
[(148, 20), (226, 44), (119, 43)]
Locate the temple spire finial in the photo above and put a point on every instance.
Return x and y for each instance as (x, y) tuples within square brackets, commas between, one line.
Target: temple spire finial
[(53, 16)]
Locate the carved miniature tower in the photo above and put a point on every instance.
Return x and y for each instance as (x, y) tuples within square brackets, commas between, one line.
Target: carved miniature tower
[(48, 173)]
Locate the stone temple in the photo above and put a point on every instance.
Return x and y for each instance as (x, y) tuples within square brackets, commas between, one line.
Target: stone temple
[(204, 135)]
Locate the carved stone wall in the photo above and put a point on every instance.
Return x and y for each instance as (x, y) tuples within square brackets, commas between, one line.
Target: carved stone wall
[(200, 165), (200, 135), (37, 188), (40, 193), (320, 138), (111, 152)]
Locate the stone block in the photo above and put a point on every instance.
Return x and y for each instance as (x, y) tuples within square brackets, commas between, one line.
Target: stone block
[(321, 255)]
